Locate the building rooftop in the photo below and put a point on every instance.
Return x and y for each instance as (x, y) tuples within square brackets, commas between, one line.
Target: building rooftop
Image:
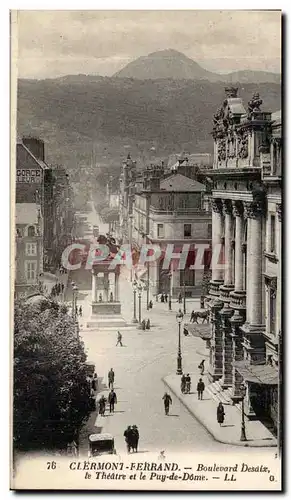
[(40, 162), (178, 182), (27, 213), (189, 159)]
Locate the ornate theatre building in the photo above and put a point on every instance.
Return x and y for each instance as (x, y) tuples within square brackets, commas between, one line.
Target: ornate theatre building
[(245, 292)]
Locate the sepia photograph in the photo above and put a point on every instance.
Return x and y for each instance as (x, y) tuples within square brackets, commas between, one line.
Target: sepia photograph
[(146, 250)]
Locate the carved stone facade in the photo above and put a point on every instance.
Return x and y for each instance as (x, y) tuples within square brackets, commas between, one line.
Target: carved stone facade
[(246, 223)]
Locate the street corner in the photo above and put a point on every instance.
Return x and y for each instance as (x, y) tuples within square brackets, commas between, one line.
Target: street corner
[(204, 411)]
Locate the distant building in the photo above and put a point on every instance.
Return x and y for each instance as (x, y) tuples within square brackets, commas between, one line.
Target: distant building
[(170, 210), (28, 247), (245, 296), (188, 164), (127, 187), (49, 189)]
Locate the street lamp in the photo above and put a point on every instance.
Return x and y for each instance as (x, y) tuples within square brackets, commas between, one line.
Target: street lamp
[(243, 425), (134, 287), (74, 306), (139, 290), (170, 298), (179, 318)]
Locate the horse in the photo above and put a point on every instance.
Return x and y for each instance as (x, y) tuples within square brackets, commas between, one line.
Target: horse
[(204, 315)]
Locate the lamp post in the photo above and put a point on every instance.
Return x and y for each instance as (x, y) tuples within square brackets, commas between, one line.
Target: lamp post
[(134, 288), (75, 292), (184, 294), (243, 425), (179, 318), (170, 298), (139, 290)]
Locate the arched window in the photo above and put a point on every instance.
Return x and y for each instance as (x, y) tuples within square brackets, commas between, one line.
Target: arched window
[(31, 231)]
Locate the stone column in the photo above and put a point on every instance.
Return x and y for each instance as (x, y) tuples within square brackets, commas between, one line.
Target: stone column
[(216, 358), (116, 287), (217, 221), (94, 286), (279, 279), (254, 213), (239, 262), (106, 286), (227, 210), (226, 314), (237, 355)]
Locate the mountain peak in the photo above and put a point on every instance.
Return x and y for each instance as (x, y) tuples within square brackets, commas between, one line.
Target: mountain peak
[(167, 63), (167, 53)]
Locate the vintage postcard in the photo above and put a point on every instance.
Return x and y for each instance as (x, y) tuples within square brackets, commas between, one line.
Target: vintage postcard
[(146, 176)]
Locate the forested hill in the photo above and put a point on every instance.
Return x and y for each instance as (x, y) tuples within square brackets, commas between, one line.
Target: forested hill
[(85, 119)]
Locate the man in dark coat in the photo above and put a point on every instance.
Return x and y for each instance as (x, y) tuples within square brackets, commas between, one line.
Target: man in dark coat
[(134, 437), (167, 401), (220, 414), (111, 376), (200, 388), (112, 399), (128, 438)]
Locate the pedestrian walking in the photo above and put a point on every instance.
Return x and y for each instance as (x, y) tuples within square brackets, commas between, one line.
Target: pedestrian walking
[(148, 324), (119, 339), (94, 382), (128, 438), (80, 311), (150, 304), (102, 405), (166, 298), (62, 287), (183, 383), (180, 298), (187, 384), (134, 438), (202, 367), (220, 414), (200, 388), (167, 401), (111, 376), (162, 298), (112, 398), (77, 311), (192, 317)]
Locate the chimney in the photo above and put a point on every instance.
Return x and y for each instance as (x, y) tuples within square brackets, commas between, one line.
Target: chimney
[(35, 146)]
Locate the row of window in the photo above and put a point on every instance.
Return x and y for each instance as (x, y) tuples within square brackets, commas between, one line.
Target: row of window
[(187, 231), (29, 231)]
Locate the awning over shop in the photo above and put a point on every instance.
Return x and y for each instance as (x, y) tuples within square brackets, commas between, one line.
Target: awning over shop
[(257, 374)]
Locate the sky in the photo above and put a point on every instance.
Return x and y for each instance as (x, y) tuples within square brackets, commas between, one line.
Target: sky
[(58, 43)]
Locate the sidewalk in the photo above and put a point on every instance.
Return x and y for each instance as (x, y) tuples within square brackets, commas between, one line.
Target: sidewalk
[(205, 412)]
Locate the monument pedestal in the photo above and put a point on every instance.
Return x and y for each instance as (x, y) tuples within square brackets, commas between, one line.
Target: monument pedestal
[(106, 308), (106, 315)]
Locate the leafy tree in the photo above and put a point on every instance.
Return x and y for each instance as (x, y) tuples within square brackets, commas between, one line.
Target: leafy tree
[(109, 214), (51, 394)]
